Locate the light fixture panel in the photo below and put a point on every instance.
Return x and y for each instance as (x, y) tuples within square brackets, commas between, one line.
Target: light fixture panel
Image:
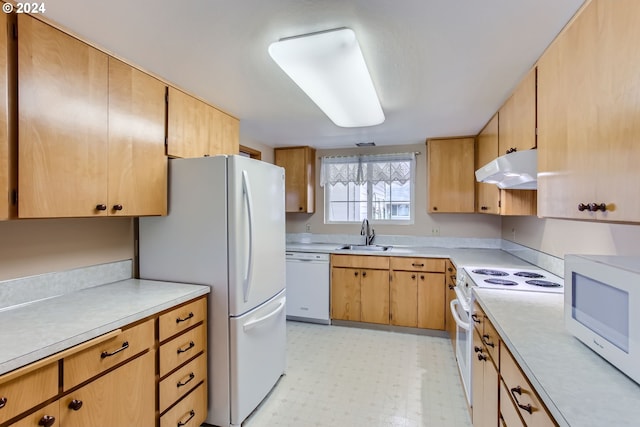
[(329, 67)]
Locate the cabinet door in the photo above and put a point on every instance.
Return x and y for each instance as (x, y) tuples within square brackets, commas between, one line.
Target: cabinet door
[(123, 397), (62, 86), (517, 129), (8, 128), (187, 125), (404, 297), (451, 175), (345, 293), (137, 161), (374, 294), (431, 300), (488, 196), (587, 110), (230, 142), (299, 166)]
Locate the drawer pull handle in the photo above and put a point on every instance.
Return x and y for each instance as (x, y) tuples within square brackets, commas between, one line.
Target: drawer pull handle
[(75, 404), (489, 343), (178, 320), (475, 318), (189, 347), (3, 402), (526, 407), (47, 421), (415, 264), (180, 383), (192, 414), (105, 354)]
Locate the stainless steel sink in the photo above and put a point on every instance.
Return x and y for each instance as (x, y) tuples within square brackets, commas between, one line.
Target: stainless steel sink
[(372, 248)]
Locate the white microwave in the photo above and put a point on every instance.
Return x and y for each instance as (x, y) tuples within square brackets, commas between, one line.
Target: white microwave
[(602, 307)]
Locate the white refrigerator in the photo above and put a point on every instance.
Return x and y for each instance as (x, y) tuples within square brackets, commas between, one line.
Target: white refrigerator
[(226, 229)]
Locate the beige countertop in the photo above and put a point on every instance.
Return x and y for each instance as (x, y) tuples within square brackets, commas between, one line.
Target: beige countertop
[(44, 327)]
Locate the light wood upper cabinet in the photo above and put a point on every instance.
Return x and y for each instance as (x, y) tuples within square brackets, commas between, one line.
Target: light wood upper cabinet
[(63, 119), (517, 129), (451, 175), (300, 177), (588, 109), (491, 199), (488, 195), (8, 125), (137, 162), (91, 140), (196, 129)]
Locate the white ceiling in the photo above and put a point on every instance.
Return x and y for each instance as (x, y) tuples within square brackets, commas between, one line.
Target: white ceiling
[(441, 67)]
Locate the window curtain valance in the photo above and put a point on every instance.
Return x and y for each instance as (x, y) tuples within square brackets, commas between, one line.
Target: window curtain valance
[(372, 168)]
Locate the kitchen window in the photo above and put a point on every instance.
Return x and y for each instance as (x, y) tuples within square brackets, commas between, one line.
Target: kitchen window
[(377, 187)]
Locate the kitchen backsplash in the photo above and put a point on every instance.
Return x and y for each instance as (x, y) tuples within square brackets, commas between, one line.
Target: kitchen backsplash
[(42, 286), (545, 261)]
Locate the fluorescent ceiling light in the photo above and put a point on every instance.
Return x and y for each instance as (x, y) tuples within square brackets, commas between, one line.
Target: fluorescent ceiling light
[(329, 67)]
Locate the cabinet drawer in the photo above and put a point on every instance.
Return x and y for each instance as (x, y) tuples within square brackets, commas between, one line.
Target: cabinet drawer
[(508, 409), (182, 348), (182, 381), (190, 411), (491, 340), (514, 379), (27, 391), (39, 418), (360, 261), (182, 318), (477, 316), (87, 363), (418, 264)]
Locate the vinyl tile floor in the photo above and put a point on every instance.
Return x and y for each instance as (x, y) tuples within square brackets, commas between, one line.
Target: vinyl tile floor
[(347, 376)]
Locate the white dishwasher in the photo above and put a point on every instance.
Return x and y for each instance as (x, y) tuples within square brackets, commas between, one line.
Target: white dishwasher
[(308, 287)]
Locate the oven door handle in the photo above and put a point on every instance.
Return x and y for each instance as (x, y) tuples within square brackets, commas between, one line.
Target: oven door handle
[(454, 312)]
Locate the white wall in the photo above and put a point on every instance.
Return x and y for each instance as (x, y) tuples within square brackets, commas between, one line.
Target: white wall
[(450, 225), (559, 237)]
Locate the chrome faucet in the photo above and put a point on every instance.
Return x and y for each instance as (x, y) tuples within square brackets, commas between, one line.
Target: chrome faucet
[(368, 232)]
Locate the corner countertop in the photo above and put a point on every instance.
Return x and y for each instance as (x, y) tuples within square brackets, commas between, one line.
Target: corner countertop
[(578, 386), (41, 328)]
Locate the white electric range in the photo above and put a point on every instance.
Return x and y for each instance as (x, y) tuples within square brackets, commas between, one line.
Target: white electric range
[(526, 279)]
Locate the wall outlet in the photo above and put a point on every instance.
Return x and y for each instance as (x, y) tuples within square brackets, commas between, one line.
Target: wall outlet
[(435, 231), (308, 228)]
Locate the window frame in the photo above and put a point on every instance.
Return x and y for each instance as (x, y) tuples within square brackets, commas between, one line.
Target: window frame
[(369, 192)]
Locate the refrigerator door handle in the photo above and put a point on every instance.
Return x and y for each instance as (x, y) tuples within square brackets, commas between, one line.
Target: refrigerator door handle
[(253, 323), (246, 192)]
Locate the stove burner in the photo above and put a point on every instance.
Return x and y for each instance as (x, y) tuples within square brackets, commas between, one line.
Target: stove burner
[(488, 272), (528, 274), (501, 282), (544, 283)]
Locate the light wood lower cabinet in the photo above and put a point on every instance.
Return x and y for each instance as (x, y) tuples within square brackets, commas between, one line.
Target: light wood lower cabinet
[(112, 380), (122, 397), (500, 391), (401, 291)]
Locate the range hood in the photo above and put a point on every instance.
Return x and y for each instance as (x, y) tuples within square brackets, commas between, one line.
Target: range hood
[(517, 170)]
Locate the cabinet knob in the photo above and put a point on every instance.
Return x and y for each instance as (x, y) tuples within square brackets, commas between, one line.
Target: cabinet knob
[(512, 150), (435, 208), (117, 207), (482, 357), (355, 273), (3, 402), (47, 421), (75, 404), (300, 208), (101, 207), (421, 277), (595, 207), (477, 349), (451, 287), (484, 208), (364, 273), (413, 276)]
